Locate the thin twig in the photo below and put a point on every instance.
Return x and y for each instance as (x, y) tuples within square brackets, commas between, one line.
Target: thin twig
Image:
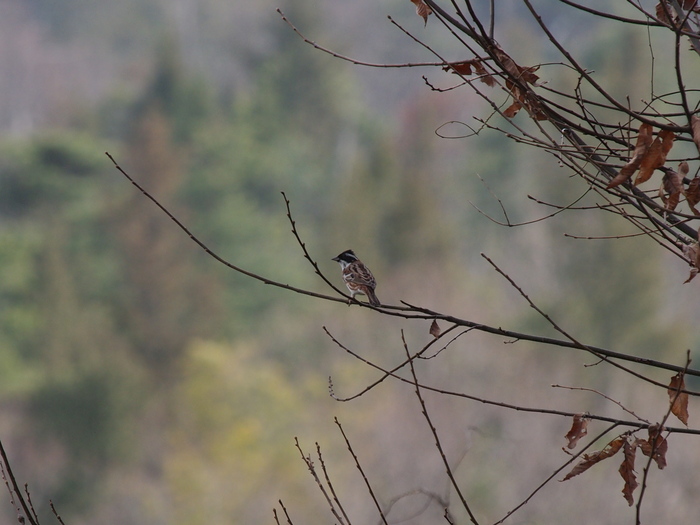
[(652, 452), (553, 475), (362, 472), (509, 406), (55, 513), (433, 430), (391, 372), (570, 337), (286, 514), (319, 483), (15, 488), (623, 407), (353, 60), (328, 482)]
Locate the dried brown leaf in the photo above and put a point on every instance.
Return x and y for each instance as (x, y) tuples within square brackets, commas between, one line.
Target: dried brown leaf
[(435, 329), (579, 428), (692, 253), (672, 184), (627, 472), (692, 194), (657, 443), (695, 126), (484, 75), (460, 68), (526, 74), (467, 67), (678, 399), (513, 109), (534, 108), (644, 140), (663, 12), (524, 99), (656, 156), (589, 460), (422, 10)]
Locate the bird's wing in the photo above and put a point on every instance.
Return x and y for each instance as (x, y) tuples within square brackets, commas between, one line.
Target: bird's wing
[(360, 274)]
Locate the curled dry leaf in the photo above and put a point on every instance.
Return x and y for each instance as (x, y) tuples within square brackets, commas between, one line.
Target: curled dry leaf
[(627, 471), (656, 156), (524, 99), (692, 254), (695, 126), (485, 77), (656, 445), (513, 109), (692, 194), (465, 67), (579, 428), (644, 140), (589, 460), (663, 10), (460, 68), (672, 185), (525, 74), (518, 77), (678, 399), (422, 10), (435, 329)]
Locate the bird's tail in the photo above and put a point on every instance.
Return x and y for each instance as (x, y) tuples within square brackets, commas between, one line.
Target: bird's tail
[(372, 297)]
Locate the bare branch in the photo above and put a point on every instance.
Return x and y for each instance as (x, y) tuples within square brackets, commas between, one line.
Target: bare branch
[(14, 489), (554, 474), (623, 407), (654, 445), (312, 470), (438, 445), (510, 406), (362, 472)]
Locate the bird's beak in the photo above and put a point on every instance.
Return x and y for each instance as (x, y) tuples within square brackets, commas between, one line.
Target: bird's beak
[(335, 259)]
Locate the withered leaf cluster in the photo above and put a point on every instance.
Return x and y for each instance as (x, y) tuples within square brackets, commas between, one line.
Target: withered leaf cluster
[(666, 13), (516, 82), (649, 154), (654, 447), (467, 67)]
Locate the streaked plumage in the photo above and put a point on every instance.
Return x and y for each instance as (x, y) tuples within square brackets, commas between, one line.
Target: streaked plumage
[(357, 276)]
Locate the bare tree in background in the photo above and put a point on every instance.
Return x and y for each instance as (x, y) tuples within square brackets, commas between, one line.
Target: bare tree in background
[(620, 148)]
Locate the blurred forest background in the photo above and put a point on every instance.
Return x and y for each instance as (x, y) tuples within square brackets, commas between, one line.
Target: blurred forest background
[(142, 382)]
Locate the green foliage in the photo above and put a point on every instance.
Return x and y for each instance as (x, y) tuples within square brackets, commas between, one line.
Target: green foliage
[(88, 413), (46, 172), (183, 98), (234, 409), (21, 312)]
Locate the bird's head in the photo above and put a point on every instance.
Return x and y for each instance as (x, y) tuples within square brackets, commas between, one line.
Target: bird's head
[(345, 258)]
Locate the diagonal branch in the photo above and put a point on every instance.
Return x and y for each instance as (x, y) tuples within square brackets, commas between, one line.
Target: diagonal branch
[(438, 444)]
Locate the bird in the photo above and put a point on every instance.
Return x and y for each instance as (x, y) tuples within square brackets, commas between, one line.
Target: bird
[(357, 276)]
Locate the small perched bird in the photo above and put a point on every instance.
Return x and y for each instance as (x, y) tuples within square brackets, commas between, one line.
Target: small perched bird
[(357, 276)]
